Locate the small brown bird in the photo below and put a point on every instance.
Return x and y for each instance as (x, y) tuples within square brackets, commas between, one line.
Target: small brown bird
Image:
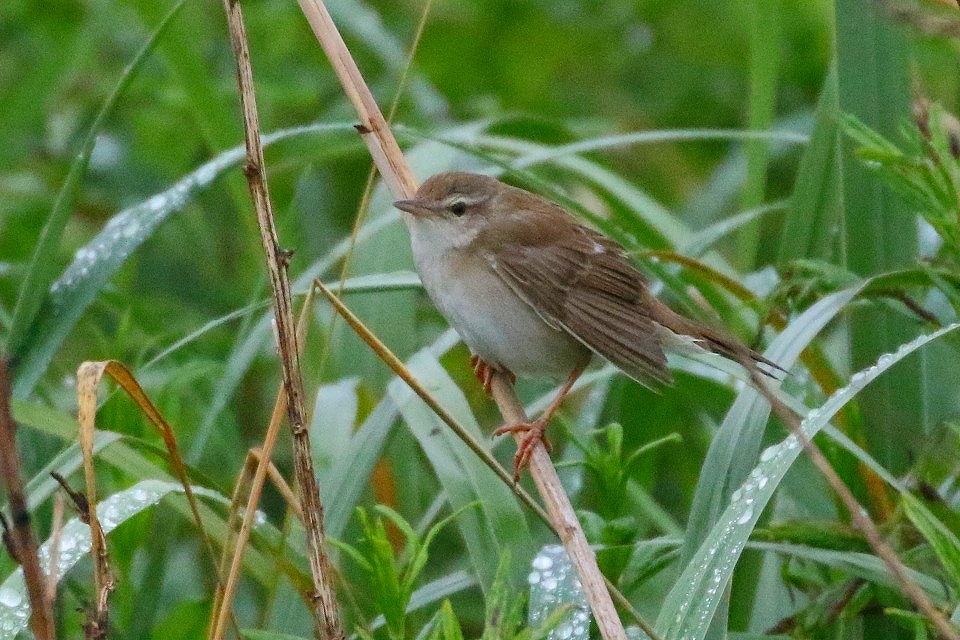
[(533, 293)]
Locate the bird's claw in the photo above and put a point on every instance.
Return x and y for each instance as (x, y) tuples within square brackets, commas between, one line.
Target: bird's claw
[(534, 432)]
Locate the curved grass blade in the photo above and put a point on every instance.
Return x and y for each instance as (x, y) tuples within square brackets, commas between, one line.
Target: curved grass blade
[(95, 263), (250, 343), (42, 266), (657, 136), (137, 458), (690, 606), (499, 524), (734, 448), (863, 565), (75, 543)]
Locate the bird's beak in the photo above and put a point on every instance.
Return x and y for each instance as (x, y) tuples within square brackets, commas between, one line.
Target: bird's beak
[(414, 207)]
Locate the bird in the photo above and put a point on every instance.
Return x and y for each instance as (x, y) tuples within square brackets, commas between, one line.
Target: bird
[(534, 293)]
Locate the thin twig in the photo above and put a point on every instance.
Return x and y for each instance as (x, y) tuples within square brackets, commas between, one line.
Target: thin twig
[(396, 365), (858, 515), (326, 604), (562, 515), (399, 179), (224, 604), (20, 536)]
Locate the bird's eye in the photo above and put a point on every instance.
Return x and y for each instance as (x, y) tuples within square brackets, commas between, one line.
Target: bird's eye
[(458, 208)]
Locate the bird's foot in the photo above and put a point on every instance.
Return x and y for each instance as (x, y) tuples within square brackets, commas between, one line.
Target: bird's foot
[(534, 432), (484, 372)]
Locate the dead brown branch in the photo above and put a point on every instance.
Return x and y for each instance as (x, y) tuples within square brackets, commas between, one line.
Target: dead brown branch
[(19, 538), (326, 610)]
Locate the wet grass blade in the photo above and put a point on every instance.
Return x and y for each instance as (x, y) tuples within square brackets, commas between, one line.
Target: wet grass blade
[(689, 607), (42, 263)]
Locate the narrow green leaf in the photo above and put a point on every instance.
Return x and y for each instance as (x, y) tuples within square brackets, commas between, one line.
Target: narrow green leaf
[(734, 448), (42, 262), (862, 565), (95, 264), (75, 543), (351, 466), (764, 21), (944, 542), (880, 231), (690, 606), (810, 228), (499, 524)]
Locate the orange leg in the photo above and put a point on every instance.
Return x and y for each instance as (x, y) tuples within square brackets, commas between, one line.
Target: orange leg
[(484, 372), (536, 430)]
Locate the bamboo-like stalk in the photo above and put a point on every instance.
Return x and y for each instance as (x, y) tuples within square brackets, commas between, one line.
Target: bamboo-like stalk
[(399, 179), (20, 536), (326, 609)]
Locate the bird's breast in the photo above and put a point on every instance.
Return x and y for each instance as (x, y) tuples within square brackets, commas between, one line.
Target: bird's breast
[(493, 321)]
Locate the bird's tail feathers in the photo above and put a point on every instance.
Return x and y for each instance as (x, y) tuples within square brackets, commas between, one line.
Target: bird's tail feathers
[(713, 340)]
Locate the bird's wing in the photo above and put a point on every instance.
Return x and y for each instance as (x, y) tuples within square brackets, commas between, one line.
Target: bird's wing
[(585, 285)]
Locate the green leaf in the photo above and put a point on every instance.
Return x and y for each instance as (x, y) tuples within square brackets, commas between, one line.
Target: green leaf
[(809, 230), (96, 263), (734, 448), (42, 265), (75, 543), (879, 230), (944, 542), (689, 607), (499, 524), (258, 634)]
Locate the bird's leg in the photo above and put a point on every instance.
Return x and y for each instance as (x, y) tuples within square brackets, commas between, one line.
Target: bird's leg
[(536, 430), (484, 373)]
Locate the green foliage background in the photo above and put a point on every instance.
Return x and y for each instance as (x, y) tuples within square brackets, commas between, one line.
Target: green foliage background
[(792, 214)]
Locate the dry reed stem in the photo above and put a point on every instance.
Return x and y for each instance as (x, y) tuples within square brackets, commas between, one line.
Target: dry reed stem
[(93, 373), (223, 602), (264, 468), (858, 515), (399, 179), (20, 535), (397, 366), (88, 377), (325, 607)]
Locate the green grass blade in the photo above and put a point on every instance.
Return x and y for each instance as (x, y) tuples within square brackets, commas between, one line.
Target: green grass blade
[(764, 19), (75, 543), (350, 466), (690, 605), (810, 227), (880, 231), (42, 262), (734, 448), (95, 264), (861, 565), (499, 524)]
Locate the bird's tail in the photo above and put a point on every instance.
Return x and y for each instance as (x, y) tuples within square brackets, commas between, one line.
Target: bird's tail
[(713, 340)]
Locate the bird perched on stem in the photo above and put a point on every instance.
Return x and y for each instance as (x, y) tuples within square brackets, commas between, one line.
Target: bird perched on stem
[(534, 293)]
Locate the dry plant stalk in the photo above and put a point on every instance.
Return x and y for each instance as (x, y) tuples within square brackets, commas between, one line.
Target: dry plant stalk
[(98, 621), (324, 597), (23, 544), (399, 179), (223, 602), (858, 514), (56, 533), (89, 376)]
